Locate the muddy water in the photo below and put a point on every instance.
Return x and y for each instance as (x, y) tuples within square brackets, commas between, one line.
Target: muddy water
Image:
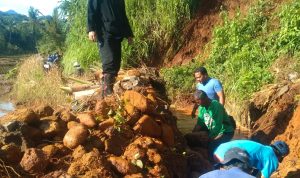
[(6, 64), (185, 123), (6, 107)]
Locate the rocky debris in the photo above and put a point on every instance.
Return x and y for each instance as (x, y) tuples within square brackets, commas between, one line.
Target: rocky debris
[(138, 100), (34, 161), (87, 119), (50, 150), (11, 153), (271, 110), (90, 161), (23, 115), (147, 126), (131, 134), (123, 166), (44, 111), (60, 174), (67, 116)]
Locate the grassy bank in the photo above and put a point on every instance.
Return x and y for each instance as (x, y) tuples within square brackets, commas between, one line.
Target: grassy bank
[(243, 49), (34, 86)]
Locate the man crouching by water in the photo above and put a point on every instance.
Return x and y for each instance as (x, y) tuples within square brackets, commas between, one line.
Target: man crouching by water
[(213, 125)]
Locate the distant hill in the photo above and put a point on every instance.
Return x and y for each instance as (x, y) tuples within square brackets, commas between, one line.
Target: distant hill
[(11, 12)]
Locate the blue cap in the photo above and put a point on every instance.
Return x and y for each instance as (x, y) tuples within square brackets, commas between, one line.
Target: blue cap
[(281, 147)]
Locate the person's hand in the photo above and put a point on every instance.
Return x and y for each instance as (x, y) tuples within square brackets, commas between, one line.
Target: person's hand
[(93, 36), (130, 40)]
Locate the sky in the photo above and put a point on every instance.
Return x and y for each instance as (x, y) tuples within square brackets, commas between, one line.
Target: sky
[(21, 6)]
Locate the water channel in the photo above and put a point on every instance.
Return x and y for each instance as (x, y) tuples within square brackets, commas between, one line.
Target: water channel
[(185, 124)]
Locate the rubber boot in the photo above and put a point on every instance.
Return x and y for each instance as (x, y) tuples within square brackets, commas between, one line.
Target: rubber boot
[(108, 84)]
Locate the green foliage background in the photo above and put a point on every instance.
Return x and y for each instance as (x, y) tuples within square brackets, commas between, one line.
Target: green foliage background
[(156, 26), (242, 50)]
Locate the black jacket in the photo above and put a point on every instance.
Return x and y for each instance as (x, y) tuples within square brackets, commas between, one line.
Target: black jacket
[(108, 18)]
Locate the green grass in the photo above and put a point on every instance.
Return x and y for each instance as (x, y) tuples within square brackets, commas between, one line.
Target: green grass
[(156, 26), (34, 86), (242, 50)]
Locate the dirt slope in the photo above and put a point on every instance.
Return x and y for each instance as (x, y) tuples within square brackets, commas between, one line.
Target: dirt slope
[(199, 31), (274, 114), (290, 166)]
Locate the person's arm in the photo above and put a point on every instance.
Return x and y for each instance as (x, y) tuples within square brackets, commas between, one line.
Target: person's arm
[(269, 162), (218, 113), (128, 31), (91, 20), (220, 92), (221, 97), (193, 114)]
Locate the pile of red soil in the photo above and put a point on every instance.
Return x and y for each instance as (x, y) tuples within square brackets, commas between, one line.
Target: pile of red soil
[(131, 134)]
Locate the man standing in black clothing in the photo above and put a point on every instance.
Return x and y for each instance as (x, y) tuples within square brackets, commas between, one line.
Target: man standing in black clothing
[(108, 24)]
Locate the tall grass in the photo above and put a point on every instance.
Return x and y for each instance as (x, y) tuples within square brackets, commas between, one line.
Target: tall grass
[(156, 25), (243, 48), (34, 86)]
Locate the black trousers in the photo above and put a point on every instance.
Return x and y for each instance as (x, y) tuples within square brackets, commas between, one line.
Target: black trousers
[(110, 52)]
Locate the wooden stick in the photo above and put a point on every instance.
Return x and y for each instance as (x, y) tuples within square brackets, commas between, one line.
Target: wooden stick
[(80, 81)]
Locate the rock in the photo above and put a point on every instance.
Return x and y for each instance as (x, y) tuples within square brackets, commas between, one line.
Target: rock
[(20, 134), (139, 175), (116, 144), (49, 128), (148, 127), (23, 115), (122, 165), (75, 136), (159, 171), (72, 124), (167, 135), (102, 109), (58, 174), (79, 152), (50, 150), (44, 111), (106, 124), (67, 116), (50, 118), (133, 114), (154, 156), (134, 152), (87, 119), (90, 161), (117, 140), (137, 100), (11, 153), (34, 161), (148, 142)]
